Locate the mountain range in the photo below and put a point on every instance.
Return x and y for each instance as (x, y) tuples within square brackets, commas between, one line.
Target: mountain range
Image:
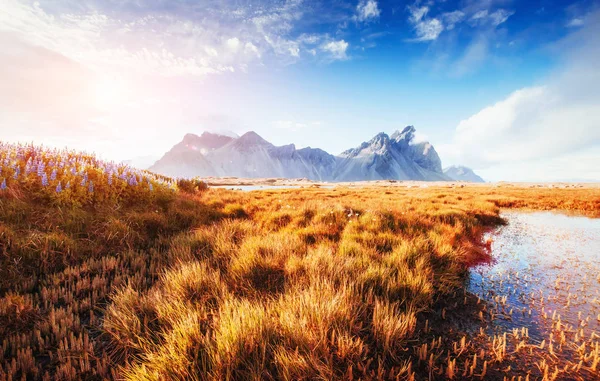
[(395, 156), (462, 173)]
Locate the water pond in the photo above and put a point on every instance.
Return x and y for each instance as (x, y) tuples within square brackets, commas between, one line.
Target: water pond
[(544, 284)]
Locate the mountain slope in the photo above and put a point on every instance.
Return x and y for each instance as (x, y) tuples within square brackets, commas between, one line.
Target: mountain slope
[(186, 159), (395, 157), (251, 156), (461, 173)]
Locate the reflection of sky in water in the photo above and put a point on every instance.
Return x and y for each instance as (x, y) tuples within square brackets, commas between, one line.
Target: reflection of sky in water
[(542, 261)]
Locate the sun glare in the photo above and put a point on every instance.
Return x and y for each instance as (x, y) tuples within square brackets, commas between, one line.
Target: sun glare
[(109, 92)]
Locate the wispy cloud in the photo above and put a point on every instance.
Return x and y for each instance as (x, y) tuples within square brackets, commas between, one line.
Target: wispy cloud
[(429, 26), (367, 10), (485, 17), (426, 29), (575, 22), (336, 49), (450, 19), (166, 40)]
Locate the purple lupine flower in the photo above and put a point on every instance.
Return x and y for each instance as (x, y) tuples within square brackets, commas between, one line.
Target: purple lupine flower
[(17, 173), (28, 167), (110, 180), (40, 169), (3, 185), (83, 182), (68, 185), (44, 180), (150, 186), (133, 180), (53, 175), (73, 171), (91, 187), (58, 188)]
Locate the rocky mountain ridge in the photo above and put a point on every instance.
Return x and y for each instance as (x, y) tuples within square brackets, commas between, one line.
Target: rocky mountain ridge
[(394, 156)]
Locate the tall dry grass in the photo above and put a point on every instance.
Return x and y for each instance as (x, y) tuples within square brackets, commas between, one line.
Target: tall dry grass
[(220, 285)]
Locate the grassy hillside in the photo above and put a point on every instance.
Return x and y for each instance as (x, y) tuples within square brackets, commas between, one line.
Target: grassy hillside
[(107, 272)]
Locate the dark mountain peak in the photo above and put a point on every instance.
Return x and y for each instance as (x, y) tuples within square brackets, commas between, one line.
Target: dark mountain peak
[(380, 137), (377, 145), (407, 134)]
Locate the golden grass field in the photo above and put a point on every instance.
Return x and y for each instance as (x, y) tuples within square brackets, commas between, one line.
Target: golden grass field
[(193, 284)]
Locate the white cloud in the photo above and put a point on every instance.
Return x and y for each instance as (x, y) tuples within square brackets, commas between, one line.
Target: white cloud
[(500, 16), (557, 119), (426, 29), (484, 17), (452, 18), (367, 10), (417, 13), (250, 48), (171, 40), (233, 44), (336, 49), (575, 22)]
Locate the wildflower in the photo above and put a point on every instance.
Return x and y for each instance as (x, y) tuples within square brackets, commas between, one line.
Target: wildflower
[(58, 188), (91, 187), (17, 172), (44, 180), (3, 185), (40, 169), (150, 186), (110, 180), (68, 185), (53, 175), (83, 182), (28, 166)]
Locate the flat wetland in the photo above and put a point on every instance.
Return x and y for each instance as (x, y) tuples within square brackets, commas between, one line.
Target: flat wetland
[(146, 278)]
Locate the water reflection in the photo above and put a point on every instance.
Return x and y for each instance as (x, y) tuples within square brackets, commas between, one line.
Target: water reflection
[(544, 276)]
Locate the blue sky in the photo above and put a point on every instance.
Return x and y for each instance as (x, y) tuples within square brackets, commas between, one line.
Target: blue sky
[(507, 87)]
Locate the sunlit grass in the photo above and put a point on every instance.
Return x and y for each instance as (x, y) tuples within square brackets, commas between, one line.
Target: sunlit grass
[(174, 281)]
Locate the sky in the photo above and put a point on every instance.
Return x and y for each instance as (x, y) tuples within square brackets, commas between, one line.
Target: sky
[(510, 88)]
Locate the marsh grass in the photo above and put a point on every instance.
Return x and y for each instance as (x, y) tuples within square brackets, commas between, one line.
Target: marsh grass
[(210, 284)]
